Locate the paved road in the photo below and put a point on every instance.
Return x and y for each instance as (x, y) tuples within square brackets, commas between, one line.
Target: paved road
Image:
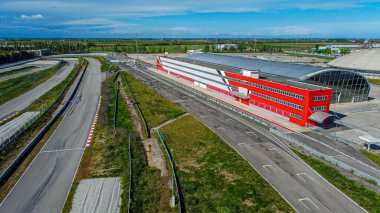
[(38, 68), (21, 102), (45, 184), (304, 189)]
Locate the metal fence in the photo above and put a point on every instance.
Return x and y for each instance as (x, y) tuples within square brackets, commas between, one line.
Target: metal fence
[(22, 82), (5, 141), (274, 128), (175, 178), (229, 107), (9, 171), (43, 111), (138, 107), (325, 157), (130, 174)]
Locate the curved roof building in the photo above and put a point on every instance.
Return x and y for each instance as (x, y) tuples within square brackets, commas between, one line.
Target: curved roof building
[(347, 85), (365, 61)]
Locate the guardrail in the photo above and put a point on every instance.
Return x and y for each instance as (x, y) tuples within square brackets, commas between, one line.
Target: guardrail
[(22, 82), (325, 157), (43, 112), (9, 171), (175, 178), (22, 128), (130, 174), (266, 124), (116, 107), (138, 107)]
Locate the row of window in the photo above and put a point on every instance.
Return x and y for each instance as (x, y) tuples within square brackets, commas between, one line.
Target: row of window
[(318, 108), (320, 98), (278, 101), (296, 116), (290, 94)]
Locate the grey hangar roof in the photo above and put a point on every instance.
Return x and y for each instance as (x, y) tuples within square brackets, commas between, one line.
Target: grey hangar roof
[(295, 71)]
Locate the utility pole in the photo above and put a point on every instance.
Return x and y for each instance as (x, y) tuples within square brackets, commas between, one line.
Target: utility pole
[(137, 50), (254, 48)]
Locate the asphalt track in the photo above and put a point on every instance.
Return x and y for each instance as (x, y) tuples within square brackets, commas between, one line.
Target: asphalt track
[(38, 68), (21, 102), (301, 186), (46, 182)]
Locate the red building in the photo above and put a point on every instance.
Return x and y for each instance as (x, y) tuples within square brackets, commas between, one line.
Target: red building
[(299, 102)]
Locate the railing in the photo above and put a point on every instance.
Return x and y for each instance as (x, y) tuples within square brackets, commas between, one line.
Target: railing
[(138, 107), (22, 82), (130, 174), (272, 127), (44, 111), (5, 141), (9, 171), (325, 157), (175, 178)]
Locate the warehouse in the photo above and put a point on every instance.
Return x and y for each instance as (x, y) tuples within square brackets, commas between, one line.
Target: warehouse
[(299, 102)]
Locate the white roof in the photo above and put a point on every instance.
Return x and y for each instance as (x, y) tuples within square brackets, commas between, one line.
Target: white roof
[(359, 60), (370, 139)]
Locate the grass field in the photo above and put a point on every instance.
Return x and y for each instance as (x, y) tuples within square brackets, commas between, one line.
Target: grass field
[(363, 196), (108, 156), (372, 156), (155, 108), (213, 177), (105, 65), (374, 81), (12, 88), (25, 69)]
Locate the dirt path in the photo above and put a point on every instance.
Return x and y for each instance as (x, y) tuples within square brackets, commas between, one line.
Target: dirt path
[(154, 153)]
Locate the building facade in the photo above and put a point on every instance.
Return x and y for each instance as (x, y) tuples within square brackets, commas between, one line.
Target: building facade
[(293, 100)]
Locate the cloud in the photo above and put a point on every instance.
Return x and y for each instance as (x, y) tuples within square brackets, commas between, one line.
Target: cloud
[(151, 8), (31, 17)]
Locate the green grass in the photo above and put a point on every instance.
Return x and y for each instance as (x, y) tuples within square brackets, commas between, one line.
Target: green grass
[(155, 108), (374, 81), (105, 65), (213, 177), (363, 196), (372, 156), (9, 153), (14, 87), (108, 156), (47, 99), (25, 69)]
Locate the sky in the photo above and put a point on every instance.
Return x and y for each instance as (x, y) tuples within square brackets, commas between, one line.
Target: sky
[(190, 18)]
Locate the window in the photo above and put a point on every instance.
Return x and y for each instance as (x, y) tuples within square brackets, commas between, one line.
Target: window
[(296, 116), (320, 98), (318, 108), (277, 100)]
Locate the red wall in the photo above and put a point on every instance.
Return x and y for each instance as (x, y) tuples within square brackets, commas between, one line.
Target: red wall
[(269, 105), (278, 108)]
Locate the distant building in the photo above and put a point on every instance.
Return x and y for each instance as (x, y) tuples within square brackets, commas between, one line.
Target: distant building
[(226, 46), (194, 51), (338, 47), (299, 93)]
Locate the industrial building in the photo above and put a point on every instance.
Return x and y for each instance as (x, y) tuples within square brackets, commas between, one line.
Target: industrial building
[(300, 93)]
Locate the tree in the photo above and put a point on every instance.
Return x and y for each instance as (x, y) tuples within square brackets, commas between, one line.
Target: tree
[(185, 49), (206, 49)]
